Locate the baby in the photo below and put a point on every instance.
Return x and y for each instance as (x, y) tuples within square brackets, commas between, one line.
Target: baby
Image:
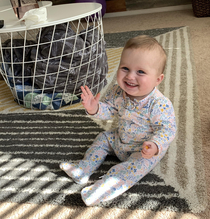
[(146, 126)]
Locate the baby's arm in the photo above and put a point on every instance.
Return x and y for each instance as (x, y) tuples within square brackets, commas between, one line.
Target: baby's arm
[(90, 102), (163, 122)]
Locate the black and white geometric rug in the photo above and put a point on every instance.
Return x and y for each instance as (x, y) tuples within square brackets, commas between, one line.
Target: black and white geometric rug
[(33, 145)]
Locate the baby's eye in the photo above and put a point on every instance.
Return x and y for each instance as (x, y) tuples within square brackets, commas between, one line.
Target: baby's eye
[(140, 72), (125, 68)]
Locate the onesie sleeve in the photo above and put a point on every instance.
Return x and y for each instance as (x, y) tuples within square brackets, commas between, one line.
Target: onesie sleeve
[(163, 122), (107, 109)]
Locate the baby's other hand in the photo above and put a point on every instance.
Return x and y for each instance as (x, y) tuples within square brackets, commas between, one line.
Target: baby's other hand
[(149, 149)]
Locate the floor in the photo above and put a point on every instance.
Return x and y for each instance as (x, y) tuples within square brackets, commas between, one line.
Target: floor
[(200, 32)]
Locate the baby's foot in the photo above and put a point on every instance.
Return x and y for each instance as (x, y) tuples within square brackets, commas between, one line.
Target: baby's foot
[(96, 193), (76, 173), (89, 196), (103, 190)]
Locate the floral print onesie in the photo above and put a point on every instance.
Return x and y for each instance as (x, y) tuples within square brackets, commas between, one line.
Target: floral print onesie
[(149, 119)]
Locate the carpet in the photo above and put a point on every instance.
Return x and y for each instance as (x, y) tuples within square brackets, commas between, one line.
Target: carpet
[(33, 143)]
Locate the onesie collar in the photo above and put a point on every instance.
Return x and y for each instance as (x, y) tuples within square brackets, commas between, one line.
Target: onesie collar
[(132, 104)]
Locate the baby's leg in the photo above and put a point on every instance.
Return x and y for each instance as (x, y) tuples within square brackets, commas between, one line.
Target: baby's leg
[(119, 179), (93, 158)]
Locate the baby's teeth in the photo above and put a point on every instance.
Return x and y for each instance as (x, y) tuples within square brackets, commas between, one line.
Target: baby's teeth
[(130, 84)]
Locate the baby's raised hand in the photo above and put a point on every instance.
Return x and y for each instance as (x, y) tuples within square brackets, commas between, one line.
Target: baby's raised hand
[(89, 101), (149, 149)]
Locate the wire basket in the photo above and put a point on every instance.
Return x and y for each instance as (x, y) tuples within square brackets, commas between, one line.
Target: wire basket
[(45, 67), (201, 8)]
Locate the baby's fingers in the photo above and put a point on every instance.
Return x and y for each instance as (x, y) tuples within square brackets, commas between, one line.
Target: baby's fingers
[(88, 90), (84, 91), (97, 97), (146, 153), (146, 156), (83, 97)]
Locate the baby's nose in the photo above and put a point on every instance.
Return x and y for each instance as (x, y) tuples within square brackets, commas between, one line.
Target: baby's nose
[(131, 75)]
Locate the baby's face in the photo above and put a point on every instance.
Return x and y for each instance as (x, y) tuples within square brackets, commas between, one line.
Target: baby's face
[(138, 72)]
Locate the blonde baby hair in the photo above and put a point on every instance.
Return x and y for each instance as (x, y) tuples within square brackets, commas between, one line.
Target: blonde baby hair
[(147, 43)]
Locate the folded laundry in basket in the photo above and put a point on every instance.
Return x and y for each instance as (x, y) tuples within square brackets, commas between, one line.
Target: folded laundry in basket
[(34, 98), (17, 60), (67, 60)]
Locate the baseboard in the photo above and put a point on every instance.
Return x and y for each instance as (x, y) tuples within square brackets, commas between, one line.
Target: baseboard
[(148, 11)]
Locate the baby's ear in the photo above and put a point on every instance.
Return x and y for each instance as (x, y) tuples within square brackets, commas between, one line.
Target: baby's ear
[(159, 79)]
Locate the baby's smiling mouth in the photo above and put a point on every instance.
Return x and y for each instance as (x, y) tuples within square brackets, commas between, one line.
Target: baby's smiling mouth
[(130, 84)]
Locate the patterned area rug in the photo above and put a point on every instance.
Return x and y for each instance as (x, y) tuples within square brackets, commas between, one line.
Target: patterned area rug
[(33, 143)]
